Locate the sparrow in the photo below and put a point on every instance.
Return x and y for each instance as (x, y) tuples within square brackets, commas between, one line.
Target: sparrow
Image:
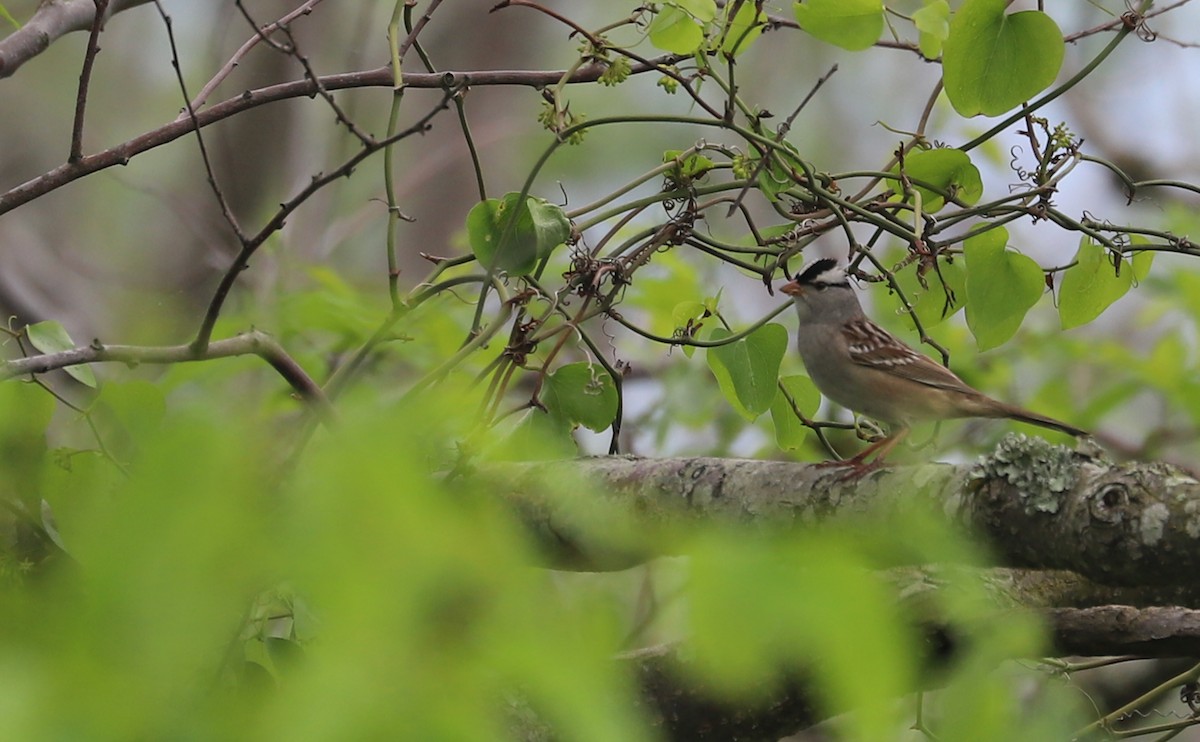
[(863, 367)]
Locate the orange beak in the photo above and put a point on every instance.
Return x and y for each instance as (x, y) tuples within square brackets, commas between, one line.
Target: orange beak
[(791, 288)]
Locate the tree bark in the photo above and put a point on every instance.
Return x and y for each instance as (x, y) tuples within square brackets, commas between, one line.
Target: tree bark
[(1037, 505)]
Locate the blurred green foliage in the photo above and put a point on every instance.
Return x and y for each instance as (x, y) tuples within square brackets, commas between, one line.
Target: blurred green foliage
[(379, 589), (186, 557)]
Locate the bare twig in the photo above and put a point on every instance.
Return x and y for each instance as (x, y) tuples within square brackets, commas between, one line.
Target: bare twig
[(261, 34), (226, 210), (380, 77), (251, 244), (251, 343), (85, 77), (780, 135)]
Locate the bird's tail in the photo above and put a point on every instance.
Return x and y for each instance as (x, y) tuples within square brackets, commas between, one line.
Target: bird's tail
[(1016, 413)]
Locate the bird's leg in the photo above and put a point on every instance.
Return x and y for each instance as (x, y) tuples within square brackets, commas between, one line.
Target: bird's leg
[(858, 464)]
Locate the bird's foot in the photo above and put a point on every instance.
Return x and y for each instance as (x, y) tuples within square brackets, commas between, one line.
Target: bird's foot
[(855, 467)]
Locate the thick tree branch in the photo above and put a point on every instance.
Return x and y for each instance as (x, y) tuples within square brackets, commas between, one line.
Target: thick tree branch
[(1038, 505), (53, 19), (1163, 631), (1056, 588)]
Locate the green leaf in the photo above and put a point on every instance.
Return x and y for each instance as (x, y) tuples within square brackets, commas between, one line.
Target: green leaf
[(933, 23), (551, 227), (285, 654), (742, 29), (581, 393), (993, 61), (950, 170), (1091, 285), (1001, 287), (702, 10), (512, 237), (1141, 263), (747, 370), (673, 30), (789, 431), (689, 317), (776, 176), (51, 337), (533, 435), (850, 24), (692, 166)]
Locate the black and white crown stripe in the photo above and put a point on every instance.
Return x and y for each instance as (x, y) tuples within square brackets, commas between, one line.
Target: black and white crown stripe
[(822, 272)]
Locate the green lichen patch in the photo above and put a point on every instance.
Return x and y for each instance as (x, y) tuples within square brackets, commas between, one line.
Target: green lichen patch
[(1039, 471)]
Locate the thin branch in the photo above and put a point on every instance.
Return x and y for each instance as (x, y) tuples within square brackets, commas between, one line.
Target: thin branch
[(780, 135), (251, 343), (292, 49), (226, 210), (85, 78), (380, 77), (251, 245), (261, 34)]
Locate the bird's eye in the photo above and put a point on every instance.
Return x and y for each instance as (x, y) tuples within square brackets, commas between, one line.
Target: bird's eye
[(820, 286)]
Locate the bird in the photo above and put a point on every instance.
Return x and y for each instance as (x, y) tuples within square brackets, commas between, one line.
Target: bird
[(863, 367)]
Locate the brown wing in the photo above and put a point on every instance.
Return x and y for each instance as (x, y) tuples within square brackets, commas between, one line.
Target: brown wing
[(872, 346)]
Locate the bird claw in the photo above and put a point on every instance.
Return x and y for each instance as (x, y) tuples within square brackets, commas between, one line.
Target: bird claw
[(854, 467)]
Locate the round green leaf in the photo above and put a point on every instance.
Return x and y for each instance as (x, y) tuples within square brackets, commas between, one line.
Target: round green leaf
[(850, 24), (949, 170), (52, 337), (511, 236), (673, 30), (1091, 285), (1001, 287), (747, 370), (549, 225), (993, 61), (582, 393)]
